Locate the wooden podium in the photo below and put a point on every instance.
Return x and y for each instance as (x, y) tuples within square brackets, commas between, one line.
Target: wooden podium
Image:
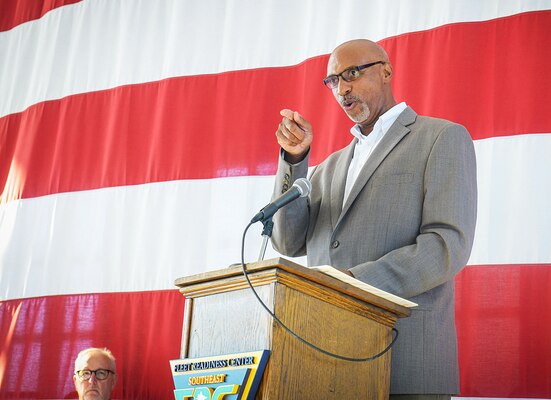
[(222, 316)]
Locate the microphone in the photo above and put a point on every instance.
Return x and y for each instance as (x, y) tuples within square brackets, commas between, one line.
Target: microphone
[(301, 188)]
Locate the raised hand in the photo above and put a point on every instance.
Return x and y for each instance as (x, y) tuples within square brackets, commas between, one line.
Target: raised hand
[(294, 135)]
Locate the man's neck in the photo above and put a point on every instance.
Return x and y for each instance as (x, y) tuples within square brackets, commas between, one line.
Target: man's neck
[(366, 129)]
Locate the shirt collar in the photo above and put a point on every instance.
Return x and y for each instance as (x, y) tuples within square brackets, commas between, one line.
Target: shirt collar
[(384, 122)]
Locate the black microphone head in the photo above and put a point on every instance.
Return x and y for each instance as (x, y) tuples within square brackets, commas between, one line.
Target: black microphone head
[(301, 188), (304, 186)]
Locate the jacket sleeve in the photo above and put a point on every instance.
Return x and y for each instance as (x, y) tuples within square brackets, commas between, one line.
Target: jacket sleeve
[(291, 221)]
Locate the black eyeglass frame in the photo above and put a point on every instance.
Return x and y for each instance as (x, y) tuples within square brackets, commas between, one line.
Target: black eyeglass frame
[(344, 74), (95, 372)]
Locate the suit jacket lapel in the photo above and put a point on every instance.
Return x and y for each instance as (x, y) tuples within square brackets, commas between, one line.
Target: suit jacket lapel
[(339, 181), (394, 135)]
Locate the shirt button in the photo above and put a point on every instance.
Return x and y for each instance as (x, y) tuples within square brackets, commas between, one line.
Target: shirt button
[(335, 244), (285, 187)]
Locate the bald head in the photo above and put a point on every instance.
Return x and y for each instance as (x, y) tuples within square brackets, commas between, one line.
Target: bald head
[(361, 48)]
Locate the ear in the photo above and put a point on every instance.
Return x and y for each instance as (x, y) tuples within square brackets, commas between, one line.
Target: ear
[(387, 72)]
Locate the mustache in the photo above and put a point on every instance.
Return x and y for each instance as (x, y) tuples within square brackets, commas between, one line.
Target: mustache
[(347, 98)]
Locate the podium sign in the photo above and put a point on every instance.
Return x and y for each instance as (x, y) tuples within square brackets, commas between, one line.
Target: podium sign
[(228, 377)]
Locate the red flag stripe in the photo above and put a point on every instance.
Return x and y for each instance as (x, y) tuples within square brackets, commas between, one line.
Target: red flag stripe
[(210, 126), (497, 308), (16, 12), (503, 324)]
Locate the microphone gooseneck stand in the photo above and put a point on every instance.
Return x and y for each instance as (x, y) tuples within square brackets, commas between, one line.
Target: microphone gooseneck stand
[(266, 235)]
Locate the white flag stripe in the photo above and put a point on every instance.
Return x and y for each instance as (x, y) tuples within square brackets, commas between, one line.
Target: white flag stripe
[(95, 45), (142, 237), (514, 217), (127, 238)]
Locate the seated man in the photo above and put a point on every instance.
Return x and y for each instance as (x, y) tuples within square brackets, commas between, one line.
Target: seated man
[(95, 374)]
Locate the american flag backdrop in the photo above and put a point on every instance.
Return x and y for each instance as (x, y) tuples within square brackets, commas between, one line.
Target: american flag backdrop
[(137, 140)]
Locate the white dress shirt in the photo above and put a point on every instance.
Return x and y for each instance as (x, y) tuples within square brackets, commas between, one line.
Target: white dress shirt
[(366, 144)]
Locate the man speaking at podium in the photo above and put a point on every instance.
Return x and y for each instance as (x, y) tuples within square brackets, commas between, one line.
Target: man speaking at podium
[(396, 209)]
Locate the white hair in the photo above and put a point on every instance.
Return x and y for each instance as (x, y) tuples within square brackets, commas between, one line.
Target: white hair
[(105, 351)]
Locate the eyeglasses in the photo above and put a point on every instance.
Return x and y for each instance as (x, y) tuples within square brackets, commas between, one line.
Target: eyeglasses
[(349, 74), (101, 374)]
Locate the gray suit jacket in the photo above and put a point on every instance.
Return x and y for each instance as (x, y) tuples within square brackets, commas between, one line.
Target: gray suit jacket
[(407, 228)]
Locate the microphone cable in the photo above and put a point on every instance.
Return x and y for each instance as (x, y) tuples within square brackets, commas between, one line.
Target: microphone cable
[(313, 346)]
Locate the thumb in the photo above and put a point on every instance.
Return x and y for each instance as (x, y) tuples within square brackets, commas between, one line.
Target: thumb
[(286, 113)]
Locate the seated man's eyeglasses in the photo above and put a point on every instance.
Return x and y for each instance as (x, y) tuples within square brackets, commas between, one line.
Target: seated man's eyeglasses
[(101, 374), (349, 74)]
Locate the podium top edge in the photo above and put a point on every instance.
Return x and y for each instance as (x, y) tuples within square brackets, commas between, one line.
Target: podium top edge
[(235, 270)]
